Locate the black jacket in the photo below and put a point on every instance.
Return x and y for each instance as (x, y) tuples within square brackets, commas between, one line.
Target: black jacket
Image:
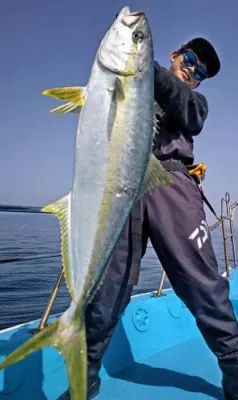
[(180, 113)]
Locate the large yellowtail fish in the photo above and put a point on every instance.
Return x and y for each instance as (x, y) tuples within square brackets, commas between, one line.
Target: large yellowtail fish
[(113, 167)]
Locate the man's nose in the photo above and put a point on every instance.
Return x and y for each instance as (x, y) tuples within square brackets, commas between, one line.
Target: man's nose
[(192, 69)]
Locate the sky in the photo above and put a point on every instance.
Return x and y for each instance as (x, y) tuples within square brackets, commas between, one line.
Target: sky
[(46, 44)]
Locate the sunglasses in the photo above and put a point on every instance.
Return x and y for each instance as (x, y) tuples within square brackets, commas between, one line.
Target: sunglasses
[(190, 60)]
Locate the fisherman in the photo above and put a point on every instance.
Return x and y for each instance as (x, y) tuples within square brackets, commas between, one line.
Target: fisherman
[(171, 216)]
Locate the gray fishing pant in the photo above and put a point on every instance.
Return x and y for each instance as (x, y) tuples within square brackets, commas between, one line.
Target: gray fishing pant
[(172, 216)]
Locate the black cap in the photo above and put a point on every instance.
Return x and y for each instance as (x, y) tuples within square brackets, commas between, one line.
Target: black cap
[(206, 54)]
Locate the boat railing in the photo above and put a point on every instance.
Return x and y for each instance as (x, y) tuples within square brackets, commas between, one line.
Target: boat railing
[(227, 216)]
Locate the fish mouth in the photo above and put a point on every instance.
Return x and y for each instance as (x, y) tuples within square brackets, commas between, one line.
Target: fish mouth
[(129, 18)]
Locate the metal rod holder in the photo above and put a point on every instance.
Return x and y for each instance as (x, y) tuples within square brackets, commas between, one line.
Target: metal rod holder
[(23, 209), (44, 319), (159, 291)]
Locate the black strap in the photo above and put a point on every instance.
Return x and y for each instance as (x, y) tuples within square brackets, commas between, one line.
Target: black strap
[(209, 205)]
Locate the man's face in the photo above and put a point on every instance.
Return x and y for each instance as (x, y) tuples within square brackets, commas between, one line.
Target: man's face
[(179, 69)]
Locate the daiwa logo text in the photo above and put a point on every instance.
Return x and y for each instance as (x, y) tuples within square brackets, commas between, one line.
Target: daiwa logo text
[(200, 233)]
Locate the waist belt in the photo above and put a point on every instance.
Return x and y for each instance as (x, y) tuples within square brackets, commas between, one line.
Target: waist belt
[(197, 172)]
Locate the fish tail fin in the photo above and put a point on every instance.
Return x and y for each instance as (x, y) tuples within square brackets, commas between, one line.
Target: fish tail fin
[(40, 340), (70, 342), (75, 357)]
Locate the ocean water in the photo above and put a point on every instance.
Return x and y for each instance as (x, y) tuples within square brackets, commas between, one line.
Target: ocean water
[(26, 286)]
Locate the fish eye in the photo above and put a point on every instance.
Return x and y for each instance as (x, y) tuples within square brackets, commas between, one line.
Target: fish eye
[(138, 36)]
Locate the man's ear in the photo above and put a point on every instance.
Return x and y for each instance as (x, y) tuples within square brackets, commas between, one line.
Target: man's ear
[(173, 56)]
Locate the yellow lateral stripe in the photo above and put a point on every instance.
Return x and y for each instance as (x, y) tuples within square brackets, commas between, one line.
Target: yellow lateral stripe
[(116, 144)]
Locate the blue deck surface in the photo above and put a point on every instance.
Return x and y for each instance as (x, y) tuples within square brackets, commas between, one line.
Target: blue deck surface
[(180, 372), (156, 352)]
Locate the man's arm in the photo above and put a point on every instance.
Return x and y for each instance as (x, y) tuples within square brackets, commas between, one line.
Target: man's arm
[(184, 107)]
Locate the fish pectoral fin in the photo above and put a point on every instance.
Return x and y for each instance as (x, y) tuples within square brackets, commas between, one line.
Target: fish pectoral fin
[(42, 339), (155, 175), (74, 95), (66, 108), (61, 208)]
